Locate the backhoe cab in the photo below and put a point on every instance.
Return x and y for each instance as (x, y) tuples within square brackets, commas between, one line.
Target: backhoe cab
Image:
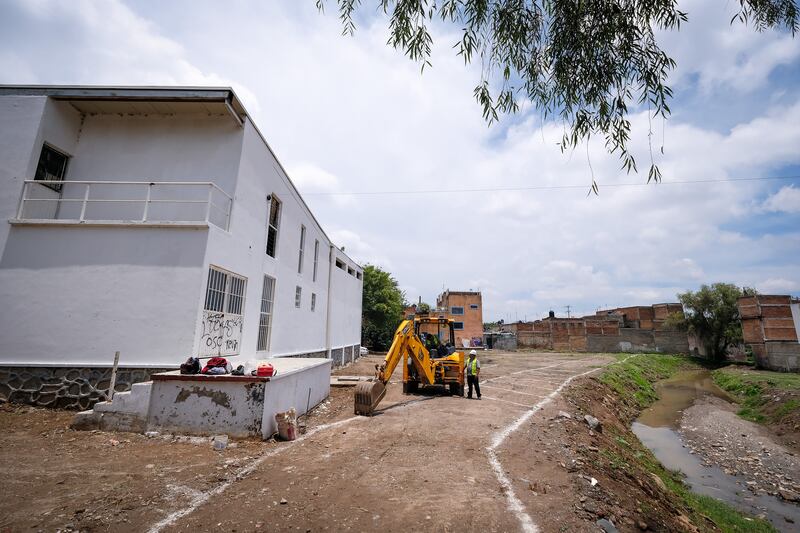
[(423, 346)]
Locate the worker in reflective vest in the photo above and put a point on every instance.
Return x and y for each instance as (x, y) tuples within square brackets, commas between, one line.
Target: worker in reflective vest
[(473, 373)]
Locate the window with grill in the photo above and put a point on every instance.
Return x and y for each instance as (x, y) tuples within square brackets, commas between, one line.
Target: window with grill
[(302, 249), (274, 220), (473, 306), (298, 293), (456, 310), (313, 301), (458, 325), (316, 259), (225, 292), (265, 319), (52, 167)]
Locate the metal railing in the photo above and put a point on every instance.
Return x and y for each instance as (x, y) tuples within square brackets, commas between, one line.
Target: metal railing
[(124, 202)]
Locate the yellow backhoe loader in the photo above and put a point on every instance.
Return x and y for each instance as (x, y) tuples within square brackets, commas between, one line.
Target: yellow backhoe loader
[(421, 364)]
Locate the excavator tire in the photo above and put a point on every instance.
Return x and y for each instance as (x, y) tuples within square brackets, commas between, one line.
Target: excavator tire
[(410, 387), (368, 396), (456, 389)]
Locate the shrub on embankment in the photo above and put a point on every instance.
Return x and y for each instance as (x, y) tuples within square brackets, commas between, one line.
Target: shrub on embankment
[(628, 472)]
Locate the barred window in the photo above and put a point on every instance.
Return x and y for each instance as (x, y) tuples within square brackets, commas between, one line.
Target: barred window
[(298, 292), (313, 301), (225, 292)]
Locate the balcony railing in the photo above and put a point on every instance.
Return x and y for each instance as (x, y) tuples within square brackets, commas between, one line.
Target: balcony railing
[(124, 202)]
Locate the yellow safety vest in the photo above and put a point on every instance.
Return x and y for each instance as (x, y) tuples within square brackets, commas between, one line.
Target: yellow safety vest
[(474, 365)]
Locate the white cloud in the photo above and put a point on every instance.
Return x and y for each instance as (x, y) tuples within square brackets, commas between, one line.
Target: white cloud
[(778, 286), (786, 200), (353, 115), (723, 54)]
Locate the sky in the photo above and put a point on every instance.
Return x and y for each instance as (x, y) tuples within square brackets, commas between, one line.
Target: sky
[(350, 117)]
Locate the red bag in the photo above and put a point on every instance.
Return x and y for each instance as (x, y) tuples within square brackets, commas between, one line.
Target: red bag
[(265, 370), (214, 362)]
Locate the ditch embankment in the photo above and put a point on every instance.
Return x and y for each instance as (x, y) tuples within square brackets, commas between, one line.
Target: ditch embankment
[(639, 490)]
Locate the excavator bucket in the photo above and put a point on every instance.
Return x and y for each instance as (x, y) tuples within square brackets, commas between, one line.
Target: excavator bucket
[(368, 396)]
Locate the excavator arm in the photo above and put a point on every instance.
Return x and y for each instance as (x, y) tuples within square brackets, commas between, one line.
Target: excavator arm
[(405, 345)]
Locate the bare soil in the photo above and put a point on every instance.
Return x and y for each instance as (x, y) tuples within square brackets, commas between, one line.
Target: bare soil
[(420, 464)]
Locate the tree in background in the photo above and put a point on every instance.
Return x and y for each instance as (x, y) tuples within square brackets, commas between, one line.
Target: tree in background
[(711, 313), (583, 62), (382, 308), (423, 308)]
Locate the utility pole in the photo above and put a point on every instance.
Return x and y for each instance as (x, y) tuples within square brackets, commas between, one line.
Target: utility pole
[(567, 307)]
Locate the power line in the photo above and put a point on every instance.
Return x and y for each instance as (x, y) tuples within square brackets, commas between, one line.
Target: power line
[(547, 187)]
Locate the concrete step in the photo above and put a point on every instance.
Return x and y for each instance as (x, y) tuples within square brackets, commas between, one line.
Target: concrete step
[(135, 401)]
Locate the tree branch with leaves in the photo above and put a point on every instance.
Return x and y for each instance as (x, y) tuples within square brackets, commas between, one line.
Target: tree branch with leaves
[(583, 61)]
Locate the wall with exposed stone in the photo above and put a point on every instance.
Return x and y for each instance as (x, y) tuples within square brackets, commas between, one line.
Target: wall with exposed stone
[(66, 388)]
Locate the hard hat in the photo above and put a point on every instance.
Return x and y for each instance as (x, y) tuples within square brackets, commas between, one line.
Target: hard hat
[(473, 352)]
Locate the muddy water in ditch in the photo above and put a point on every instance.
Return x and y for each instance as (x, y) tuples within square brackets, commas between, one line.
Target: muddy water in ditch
[(657, 428)]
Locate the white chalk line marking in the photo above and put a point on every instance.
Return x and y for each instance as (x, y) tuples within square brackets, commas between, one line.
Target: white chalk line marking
[(525, 405), (538, 368), (514, 503), (513, 391), (203, 497)]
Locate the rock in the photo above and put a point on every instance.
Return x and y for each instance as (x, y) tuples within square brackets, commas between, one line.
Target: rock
[(114, 442), (788, 495), (659, 483), (642, 525), (607, 525), (284, 501), (593, 423), (220, 442), (563, 414), (151, 434)]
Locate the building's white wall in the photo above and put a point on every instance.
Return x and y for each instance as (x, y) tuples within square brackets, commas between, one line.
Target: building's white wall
[(80, 293), (83, 293), (159, 148), (75, 295), (242, 251), (345, 304), (20, 118)]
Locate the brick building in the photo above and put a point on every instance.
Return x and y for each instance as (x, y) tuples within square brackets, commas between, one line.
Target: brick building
[(626, 329), (465, 309), (771, 326)]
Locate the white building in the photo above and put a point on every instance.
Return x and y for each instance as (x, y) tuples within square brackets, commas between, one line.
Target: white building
[(157, 222)]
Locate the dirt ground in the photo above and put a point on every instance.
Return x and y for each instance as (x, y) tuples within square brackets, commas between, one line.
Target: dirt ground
[(424, 462)]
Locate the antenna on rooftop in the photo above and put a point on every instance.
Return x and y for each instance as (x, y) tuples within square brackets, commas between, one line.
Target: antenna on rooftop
[(567, 307)]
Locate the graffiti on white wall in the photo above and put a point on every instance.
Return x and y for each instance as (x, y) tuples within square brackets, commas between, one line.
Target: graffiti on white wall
[(221, 335)]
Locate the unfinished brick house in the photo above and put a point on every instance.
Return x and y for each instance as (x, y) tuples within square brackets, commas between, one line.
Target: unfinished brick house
[(465, 309), (625, 329), (770, 325)]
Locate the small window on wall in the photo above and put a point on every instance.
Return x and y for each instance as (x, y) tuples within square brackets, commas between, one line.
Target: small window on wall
[(473, 306), (456, 310), (351, 271), (313, 301), (302, 249), (298, 296), (273, 222), (458, 325), (52, 167), (340, 264), (358, 275), (316, 259)]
